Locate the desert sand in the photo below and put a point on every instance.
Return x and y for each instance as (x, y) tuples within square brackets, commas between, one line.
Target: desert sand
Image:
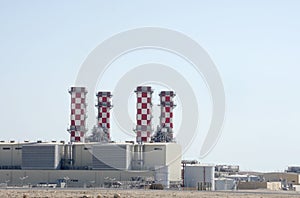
[(110, 193)]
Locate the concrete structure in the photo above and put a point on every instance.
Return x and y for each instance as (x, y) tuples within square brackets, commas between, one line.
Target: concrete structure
[(161, 176), (296, 188), (259, 185), (104, 106), (163, 160), (73, 178), (11, 154), (144, 114), (159, 155), (78, 114), (81, 156), (225, 184), (286, 178), (199, 176), (246, 177)]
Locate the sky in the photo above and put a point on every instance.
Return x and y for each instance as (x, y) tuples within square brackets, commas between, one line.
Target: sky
[(254, 44)]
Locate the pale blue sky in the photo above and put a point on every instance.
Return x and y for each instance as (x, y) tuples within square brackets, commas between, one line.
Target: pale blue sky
[(255, 45)]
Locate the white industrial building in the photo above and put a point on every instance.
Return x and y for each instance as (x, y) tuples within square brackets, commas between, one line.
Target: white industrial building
[(200, 176), (162, 161), (11, 154), (225, 184)]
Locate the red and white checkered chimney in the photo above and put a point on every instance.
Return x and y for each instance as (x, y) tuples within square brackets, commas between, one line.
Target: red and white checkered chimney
[(104, 106), (78, 114), (166, 116), (144, 113)]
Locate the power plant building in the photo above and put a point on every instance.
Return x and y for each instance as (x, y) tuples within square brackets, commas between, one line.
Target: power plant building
[(162, 159), (80, 161)]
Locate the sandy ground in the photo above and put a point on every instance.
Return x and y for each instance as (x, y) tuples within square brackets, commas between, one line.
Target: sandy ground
[(141, 193)]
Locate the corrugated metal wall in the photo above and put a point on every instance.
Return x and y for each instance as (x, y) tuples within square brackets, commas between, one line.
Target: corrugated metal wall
[(41, 157), (111, 157)]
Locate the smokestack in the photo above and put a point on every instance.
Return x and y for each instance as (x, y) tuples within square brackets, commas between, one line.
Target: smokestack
[(166, 113), (78, 114), (164, 131), (104, 106), (144, 113)]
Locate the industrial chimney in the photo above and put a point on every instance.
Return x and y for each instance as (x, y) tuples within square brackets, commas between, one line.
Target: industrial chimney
[(164, 131), (104, 106), (144, 113), (78, 114)]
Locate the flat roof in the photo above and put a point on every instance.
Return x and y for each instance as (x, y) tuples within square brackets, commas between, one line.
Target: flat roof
[(200, 165)]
